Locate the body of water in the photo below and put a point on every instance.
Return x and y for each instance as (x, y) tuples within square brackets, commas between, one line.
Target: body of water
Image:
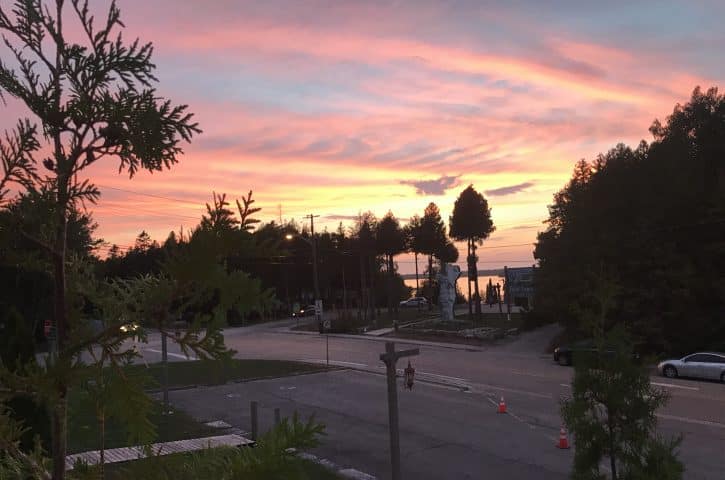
[(461, 284)]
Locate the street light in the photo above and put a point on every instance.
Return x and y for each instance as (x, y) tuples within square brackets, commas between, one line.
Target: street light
[(313, 244)]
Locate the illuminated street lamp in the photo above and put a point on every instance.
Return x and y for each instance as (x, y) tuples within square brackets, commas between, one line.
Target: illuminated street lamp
[(313, 243)]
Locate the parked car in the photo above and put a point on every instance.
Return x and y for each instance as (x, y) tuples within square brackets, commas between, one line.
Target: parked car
[(707, 365), (306, 311), (414, 302), (565, 354), (129, 327)]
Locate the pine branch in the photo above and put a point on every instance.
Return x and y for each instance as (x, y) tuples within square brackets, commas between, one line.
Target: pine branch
[(16, 156)]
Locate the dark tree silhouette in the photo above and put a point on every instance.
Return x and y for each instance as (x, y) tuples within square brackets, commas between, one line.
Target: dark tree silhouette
[(431, 241), (471, 221), (93, 100), (655, 216), (412, 243), (390, 241)]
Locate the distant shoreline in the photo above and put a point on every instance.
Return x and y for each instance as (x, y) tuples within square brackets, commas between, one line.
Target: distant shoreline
[(498, 272)]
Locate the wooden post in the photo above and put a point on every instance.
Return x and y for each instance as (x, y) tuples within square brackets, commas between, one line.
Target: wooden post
[(255, 430), (390, 358)]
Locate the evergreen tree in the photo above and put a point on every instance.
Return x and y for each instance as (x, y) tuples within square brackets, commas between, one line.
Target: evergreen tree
[(93, 98), (432, 242), (390, 241), (413, 244), (471, 221)]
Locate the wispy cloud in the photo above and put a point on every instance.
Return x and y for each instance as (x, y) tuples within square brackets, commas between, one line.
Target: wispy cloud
[(436, 186), (338, 217), (509, 190)]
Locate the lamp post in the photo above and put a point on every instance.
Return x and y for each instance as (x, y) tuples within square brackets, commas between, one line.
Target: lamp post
[(315, 281)]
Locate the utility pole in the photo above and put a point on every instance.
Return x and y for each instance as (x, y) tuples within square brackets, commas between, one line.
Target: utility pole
[(390, 358), (315, 280)]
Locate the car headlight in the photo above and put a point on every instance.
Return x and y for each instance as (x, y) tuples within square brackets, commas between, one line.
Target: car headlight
[(124, 328)]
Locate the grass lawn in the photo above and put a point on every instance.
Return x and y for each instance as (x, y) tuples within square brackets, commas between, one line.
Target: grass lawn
[(213, 372), (353, 324), (83, 426), (189, 465)]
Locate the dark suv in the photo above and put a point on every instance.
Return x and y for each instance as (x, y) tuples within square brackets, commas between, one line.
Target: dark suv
[(565, 354), (306, 311)]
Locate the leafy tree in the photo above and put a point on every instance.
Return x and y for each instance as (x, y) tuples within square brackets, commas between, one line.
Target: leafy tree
[(613, 404), (655, 215), (93, 99), (412, 241), (471, 221), (612, 415), (390, 241), (364, 236), (431, 240)]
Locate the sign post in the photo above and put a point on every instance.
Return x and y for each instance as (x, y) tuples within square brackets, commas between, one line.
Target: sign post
[(390, 358)]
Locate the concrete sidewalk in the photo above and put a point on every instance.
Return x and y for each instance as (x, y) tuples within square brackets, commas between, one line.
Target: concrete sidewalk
[(379, 338), (124, 454)]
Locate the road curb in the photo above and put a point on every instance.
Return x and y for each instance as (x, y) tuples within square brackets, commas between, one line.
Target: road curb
[(245, 380), (330, 465), (424, 343)]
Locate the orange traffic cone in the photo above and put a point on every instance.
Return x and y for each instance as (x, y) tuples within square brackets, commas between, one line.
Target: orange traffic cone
[(563, 440), (501, 406)]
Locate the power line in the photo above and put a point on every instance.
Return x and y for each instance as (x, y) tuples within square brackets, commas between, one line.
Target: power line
[(148, 194), (117, 209)]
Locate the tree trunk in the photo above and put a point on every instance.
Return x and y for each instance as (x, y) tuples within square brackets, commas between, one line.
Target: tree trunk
[(612, 446), (477, 295), (417, 287), (430, 282), (363, 293), (102, 421), (468, 279), (59, 440), (59, 423), (373, 303), (394, 300), (389, 282)]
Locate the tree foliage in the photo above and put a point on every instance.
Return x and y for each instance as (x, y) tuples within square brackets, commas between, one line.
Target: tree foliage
[(89, 98), (655, 216), (471, 219), (612, 416), (273, 457)]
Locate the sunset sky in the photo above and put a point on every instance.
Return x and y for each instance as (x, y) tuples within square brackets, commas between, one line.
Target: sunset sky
[(338, 107)]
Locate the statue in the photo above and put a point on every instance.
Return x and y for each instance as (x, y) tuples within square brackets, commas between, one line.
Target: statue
[(447, 280)]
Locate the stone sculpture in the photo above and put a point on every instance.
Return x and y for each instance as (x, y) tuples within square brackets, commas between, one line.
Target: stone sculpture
[(447, 280)]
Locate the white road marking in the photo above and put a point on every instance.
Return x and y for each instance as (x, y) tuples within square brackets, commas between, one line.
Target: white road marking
[(446, 387), (672, 385), (565, 385), (334, 362), (513, 390), (693, 421), (528, 374), (458, 379), (175, 355)]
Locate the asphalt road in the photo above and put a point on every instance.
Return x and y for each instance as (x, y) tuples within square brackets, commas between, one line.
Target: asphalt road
[(449, 424)]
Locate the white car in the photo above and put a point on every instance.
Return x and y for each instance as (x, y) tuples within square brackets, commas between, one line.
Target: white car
[(707, 365), (414, 302)]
